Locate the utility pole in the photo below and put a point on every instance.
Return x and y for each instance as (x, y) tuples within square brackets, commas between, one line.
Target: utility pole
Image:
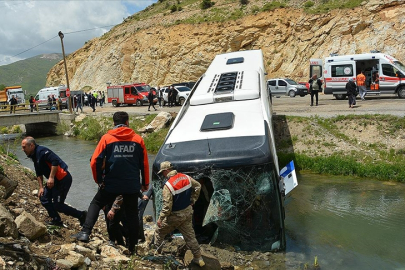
[(61, 35)]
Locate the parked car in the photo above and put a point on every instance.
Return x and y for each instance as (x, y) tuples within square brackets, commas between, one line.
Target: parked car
[(188, 84), (182, 94), (287, 87)]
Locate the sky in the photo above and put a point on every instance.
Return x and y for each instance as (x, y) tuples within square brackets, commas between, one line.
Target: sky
[(30, 28)]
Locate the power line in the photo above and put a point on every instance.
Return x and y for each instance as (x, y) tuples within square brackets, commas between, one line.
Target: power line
[(74, 32)]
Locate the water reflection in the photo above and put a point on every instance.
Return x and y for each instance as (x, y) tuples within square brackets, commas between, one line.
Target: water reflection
[(348, 223)]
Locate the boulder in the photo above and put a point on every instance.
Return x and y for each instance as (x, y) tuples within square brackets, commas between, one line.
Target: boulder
[(112, 255), (7, 224), (8, 184), (29, 226), (75, 258), (161, 120)]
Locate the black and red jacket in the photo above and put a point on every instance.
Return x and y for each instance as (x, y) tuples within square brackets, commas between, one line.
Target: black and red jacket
[(121, 161), (44, 159)]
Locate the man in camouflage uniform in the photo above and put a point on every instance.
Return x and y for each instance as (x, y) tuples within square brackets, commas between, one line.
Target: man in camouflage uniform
[(180, 192)]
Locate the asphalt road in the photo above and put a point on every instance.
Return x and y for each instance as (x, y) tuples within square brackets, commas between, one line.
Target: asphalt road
[(328, 106), (284, 105)]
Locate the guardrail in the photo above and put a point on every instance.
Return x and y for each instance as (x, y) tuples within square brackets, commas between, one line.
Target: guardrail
[(26, 108)]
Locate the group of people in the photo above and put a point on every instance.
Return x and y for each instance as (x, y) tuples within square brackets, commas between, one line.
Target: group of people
[(352, 89), (89, 99), (359, 88), (120, 168)]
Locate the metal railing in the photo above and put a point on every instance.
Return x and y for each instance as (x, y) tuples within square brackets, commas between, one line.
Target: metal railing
[(26, 108)]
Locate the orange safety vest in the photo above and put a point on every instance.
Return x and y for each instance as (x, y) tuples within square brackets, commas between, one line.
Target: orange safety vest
[(361, 80), (180, 187)]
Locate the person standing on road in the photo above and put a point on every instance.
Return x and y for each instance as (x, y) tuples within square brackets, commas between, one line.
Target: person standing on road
[(151, 97), (351, 89), (32, 103), (361, 83), (120, 167), (79, 102), (159, 96), (93, 102), (315, 85), (169, 95), (13, 104), (53, 195), (180, 192)]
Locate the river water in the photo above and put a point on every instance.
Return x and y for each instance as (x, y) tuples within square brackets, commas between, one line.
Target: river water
[(347, 223)]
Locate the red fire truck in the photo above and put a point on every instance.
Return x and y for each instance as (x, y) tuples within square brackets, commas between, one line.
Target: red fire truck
[(128, 94)]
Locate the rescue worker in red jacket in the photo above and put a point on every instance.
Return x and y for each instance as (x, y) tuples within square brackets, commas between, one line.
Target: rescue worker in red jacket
[(120, 167), (180, 192), (53, 195)]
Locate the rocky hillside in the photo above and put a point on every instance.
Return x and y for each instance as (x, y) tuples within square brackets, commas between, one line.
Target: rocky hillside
[(161, 49)]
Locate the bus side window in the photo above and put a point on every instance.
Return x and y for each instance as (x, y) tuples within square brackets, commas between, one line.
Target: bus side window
[(126, 89), (133, 91)]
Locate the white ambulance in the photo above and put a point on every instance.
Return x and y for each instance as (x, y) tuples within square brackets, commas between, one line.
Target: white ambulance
[(59, 92), (336, 70)]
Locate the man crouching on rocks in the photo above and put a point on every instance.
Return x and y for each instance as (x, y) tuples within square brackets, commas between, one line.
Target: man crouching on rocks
[(53, 195), (180, 192)]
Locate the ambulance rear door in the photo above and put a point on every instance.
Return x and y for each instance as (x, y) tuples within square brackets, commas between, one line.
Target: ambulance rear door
[(339, 74)]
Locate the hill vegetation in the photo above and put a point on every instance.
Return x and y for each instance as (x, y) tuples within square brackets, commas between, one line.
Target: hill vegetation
[(29, 73), (225, 10)]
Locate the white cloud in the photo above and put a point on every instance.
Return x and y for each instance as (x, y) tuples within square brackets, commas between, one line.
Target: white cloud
[(26, 24)]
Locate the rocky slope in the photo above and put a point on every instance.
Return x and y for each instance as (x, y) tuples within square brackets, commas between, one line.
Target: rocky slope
[(158, 51)]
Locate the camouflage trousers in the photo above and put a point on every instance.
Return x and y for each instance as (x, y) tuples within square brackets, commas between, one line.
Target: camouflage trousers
[(181, 220)]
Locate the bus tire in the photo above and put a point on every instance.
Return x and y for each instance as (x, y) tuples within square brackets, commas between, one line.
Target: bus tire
[(340, 96), (114, 103), (401, 92), (138, 103)]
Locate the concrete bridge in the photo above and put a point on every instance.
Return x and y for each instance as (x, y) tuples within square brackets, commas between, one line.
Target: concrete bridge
[(36, 123)]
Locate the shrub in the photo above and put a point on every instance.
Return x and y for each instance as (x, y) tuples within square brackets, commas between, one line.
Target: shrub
[(308, 4), (273, 5), (205, 4), (244, 2), (173, 8)]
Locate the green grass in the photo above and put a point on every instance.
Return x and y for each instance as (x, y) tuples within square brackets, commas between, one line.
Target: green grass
[(326, 6), (93, 128), (343, 165)]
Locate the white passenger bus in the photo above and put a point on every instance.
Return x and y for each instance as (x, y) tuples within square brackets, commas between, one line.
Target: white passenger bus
[(223, 137), (336, 70)]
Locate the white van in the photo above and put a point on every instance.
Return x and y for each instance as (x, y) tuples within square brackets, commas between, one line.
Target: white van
[(338, 69), (59, 92), (286, 87)]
